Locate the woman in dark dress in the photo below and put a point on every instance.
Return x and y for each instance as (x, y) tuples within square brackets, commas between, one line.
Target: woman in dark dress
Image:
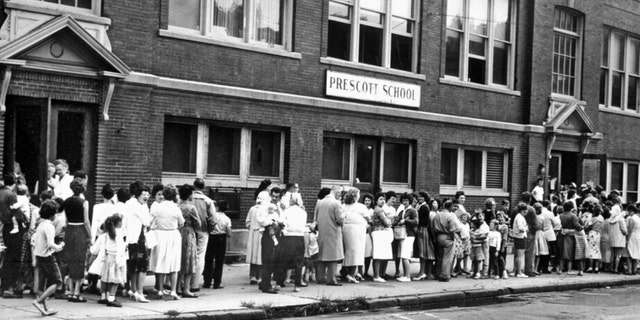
[(77, 238), (567, 241), (426, 251)]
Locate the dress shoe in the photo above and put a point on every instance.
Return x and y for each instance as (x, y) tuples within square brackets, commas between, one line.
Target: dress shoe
[(270, 290)]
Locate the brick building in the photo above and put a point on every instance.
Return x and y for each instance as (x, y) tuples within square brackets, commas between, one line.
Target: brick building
[(484, 96)]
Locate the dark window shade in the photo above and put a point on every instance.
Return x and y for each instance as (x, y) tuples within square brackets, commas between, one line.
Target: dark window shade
[(396, 162), (449, 166), (179, 154), (265, 154), (224, 151), (495, 170), (616, 175), (472, 168), (335, 158)]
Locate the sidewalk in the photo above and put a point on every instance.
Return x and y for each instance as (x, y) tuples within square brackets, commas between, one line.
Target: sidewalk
[(239, 300)]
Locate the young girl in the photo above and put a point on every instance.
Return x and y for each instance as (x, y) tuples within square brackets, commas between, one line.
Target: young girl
[(114, 270), (477, 255), (310, 253), (503, 228), (496, 264), (465, 235), (47, 267)]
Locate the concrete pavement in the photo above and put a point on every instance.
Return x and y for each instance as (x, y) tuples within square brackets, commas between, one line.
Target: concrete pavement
[(240, 300)]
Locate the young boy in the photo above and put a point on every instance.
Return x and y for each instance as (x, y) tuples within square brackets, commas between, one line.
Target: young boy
[(217, 247), (503, 228), (48, 269), (477, 255), (496, 264), (310, 253)]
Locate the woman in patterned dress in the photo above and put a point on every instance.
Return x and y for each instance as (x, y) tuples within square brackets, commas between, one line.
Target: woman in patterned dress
[(594, 237), (189, 260)]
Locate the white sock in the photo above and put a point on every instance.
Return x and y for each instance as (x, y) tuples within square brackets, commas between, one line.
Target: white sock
[(111, 298), (104, 296)]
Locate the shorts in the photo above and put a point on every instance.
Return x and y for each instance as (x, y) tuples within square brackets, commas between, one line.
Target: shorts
[(48, 272), (477, 254), (519, 243)]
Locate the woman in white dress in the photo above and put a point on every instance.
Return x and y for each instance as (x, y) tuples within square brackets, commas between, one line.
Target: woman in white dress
[(633, 238), (167, 254), (254, 248), (354, 233)]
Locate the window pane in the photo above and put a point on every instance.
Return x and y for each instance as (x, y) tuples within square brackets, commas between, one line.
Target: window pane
[(377, 5), (500, 63), (478, 15), (184, 14), (179, 147), (632, 197), (402, 8), (396, 162), (370, 45), (85, 4), (339, 42), (477, 70), (605, 48), (502, 19), (472, 168), (68, 2), (495, 170), (229, 15), (265, 153), (616, 89), (449, 166), (634, 56), (455, 14), (616, 175), (477, 45), (632, 177), (603, 86), (632, 95), (617, 52), (401, 52), (364, 163), (224, 151), (371, 17), (269, 21), (452, 64), (335, 158)]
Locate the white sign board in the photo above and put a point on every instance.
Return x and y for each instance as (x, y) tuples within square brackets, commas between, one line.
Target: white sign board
[(371, 89)]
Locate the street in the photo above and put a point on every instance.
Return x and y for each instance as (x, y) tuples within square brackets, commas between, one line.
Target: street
[(605, 303)]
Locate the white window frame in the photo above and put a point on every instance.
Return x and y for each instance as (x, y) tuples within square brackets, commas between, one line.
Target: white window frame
[(481, 190), (242, 180), (463, 63), (96, 6), (207, 30), (398, 187), (626, 73), (579, 35), (355, 22), (625, 178)]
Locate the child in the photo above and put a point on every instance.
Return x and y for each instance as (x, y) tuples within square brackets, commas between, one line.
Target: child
[(503, 228), (477, 255), (520, 230), (21, 206), (496, 264), (216, 249), (45, 245), (114, 261), (465, 235), (311, 250)]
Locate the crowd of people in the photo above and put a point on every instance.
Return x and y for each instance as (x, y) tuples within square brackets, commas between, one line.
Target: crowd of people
[(178, 233)]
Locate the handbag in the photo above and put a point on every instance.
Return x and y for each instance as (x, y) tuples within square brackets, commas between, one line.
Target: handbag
[(400, 232), (151, 239)]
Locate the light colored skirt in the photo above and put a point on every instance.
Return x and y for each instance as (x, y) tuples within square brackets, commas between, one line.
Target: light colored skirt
[(112, 272), (382, 244), (354, 237), (581, 245), (633, 247), (406, 247), (593, 249), (605, 249), (166, 255), (254, 247), (368, 246), (541, 247)]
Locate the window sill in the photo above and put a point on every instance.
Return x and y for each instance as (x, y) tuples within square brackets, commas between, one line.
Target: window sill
[(178, 179), (361, 66), (235, 45), (479, 86), (398, 188), (44, 8), (619, 111), (451, 191)]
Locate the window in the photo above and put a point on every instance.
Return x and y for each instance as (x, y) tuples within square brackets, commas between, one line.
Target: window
[(623, 176), (567, 50), (221, 152), (479, 43), (376, 32), (471, 169), (353, 160), (620, 71), (258, 22), (81, 6)]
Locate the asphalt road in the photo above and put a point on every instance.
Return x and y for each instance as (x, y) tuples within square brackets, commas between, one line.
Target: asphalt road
[(606, 303)]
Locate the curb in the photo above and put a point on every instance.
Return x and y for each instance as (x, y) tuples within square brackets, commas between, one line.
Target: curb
[(425, 301)]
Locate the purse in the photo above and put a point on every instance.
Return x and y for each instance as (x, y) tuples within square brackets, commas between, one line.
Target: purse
[(151, 239), (400, 232)]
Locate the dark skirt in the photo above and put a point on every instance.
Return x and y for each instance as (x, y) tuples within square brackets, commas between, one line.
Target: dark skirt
[(75, 250), (425, 244), (567, 246)]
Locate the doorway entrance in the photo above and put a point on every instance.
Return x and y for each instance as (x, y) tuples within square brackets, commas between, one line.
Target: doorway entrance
[(366, 160), (563, 170), (39, 131)]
